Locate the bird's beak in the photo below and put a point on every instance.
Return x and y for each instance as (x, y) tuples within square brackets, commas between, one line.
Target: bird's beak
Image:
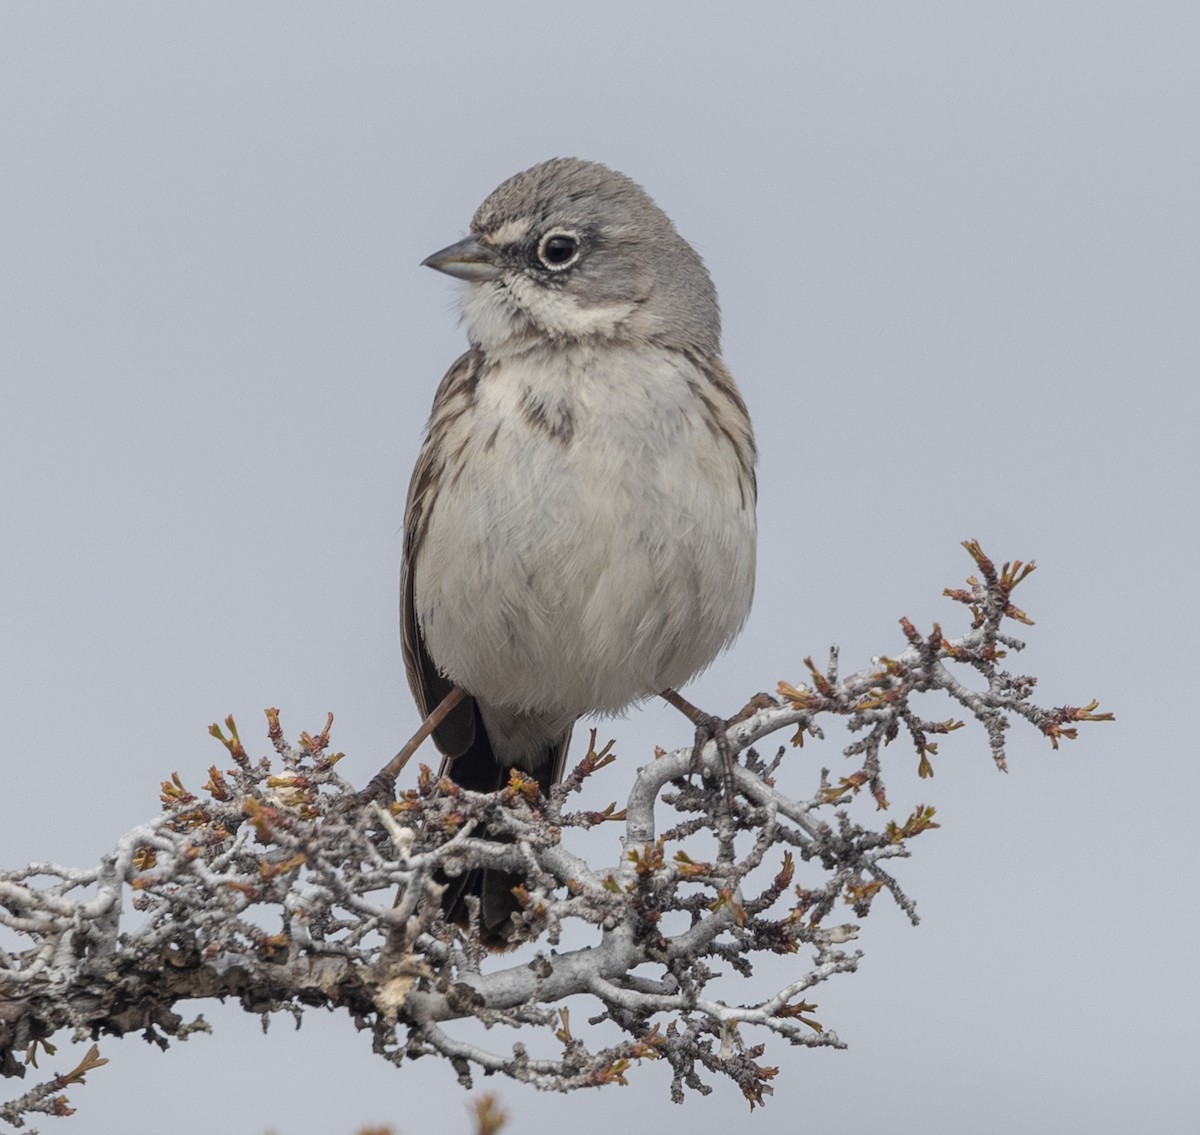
[(469, 259)]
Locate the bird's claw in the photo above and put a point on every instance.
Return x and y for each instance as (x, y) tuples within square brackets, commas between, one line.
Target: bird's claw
[(709, 727), (381, 790)]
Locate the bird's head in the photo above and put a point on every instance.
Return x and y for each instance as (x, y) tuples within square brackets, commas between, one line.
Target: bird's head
[(572, 250)]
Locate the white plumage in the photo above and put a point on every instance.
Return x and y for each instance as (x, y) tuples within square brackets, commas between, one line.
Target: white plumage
[(561, 579)]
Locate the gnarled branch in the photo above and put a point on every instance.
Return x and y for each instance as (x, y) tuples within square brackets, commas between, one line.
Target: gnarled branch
[(270, 886)]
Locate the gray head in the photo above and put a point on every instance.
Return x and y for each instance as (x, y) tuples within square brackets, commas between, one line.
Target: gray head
[(574, 250)]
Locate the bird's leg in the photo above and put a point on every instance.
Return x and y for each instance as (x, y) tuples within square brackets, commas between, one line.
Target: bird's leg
[(383, 784), (708, 728)]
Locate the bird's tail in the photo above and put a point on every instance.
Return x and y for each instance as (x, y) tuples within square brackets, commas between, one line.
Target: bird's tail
[(478, 770)]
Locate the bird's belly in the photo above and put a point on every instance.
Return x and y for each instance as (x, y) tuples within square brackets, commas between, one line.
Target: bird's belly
[(565, 576)]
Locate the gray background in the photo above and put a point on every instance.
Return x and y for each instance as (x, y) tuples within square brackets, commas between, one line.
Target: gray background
[(956, 246)]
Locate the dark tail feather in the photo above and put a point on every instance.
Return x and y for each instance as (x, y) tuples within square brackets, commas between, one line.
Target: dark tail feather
[(478, 770)]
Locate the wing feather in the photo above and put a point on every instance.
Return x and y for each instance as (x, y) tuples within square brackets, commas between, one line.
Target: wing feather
[(429, 686)]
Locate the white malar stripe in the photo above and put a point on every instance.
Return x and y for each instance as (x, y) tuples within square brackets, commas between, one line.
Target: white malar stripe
[(559, 313), (499, 320)]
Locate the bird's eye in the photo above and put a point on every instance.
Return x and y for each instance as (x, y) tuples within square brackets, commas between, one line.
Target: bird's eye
[(558, 250)]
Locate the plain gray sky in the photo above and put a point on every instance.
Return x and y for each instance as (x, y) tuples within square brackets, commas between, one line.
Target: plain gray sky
[(956, 247)]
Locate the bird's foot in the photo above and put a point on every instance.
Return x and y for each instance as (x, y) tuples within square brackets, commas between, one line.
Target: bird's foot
[(381, 790), (708, 728)]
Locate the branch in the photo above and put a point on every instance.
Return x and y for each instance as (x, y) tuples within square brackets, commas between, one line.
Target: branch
[(701, 885)]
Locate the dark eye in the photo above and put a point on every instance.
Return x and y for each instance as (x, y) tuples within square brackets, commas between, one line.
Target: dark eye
[(557, 250)]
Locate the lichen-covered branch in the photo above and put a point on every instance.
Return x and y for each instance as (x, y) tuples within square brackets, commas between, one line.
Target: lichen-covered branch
[(268, 885)]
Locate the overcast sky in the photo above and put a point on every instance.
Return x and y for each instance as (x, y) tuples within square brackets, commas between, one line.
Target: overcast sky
[(956, 247)]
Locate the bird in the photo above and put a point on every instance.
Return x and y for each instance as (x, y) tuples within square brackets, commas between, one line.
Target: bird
[(580, 528)]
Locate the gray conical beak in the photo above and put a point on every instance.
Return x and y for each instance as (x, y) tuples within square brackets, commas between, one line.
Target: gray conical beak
[(469, 259)]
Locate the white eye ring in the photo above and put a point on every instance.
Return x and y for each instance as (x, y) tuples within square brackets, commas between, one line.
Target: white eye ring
[(558, 249)]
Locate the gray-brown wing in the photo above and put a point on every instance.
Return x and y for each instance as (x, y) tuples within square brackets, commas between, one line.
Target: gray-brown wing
[(725, 415), (461, 737), (429, 686)]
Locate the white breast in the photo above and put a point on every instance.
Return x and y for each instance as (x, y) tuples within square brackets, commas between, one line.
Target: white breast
[(598, 554)]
